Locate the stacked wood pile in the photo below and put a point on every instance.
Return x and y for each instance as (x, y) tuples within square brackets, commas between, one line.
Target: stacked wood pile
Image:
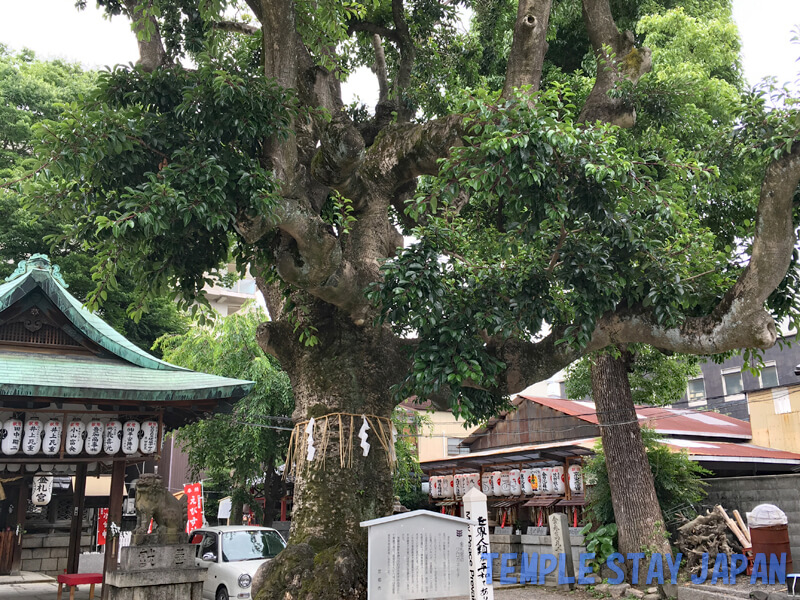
[(714, 532)]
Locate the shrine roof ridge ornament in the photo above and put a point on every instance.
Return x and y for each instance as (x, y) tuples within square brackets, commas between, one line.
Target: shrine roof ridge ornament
[(40, 262), (118, 370)]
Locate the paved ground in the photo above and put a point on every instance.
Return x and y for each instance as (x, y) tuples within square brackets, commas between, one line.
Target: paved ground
[(43, 591), (48, 590)]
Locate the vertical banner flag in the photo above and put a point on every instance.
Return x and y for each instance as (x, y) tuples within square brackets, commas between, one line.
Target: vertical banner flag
[(194, 503), (102, 526)]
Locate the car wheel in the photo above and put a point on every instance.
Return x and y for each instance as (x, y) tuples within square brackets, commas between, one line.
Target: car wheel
[(222, 593)]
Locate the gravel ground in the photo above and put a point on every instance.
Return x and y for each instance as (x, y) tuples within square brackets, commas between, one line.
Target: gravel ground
[(534, 592)]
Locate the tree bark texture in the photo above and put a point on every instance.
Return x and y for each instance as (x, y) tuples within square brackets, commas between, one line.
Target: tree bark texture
[(348, 372), (636, 509), (325, 271)]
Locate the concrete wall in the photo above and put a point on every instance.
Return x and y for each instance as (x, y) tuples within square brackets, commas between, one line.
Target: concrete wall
[(745, 493), (432, 443), (47, 553)]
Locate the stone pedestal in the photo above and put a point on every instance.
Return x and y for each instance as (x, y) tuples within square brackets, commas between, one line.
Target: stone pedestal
[(156, 573)]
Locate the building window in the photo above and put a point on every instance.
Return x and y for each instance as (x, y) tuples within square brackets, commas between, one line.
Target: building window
[(453, 448), (732, 383), (769, 375), (697, 391)]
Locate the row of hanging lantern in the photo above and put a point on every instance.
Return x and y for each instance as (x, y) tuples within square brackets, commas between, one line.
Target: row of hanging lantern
[(515, 482), (34, 435)]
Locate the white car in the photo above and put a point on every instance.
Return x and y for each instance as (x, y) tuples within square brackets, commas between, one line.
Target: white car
[(232, 555)]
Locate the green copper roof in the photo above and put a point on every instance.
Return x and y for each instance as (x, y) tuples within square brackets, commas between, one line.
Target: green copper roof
[(87, 377), (131, 373), (39, 273)]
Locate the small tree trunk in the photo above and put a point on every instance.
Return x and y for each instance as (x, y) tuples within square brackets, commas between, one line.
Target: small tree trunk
[(633, 495), (237, 509)]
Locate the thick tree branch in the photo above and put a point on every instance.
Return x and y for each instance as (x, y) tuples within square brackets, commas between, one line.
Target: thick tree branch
[(367, 27), (380, 68), (618, 59), (405, 151), (151, 50), (407, 57), (529, 45), (340, 154), (740, 320), (235, 27)]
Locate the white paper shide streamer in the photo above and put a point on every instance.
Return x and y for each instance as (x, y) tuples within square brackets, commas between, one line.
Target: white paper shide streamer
[(310, 433), (365, 445)]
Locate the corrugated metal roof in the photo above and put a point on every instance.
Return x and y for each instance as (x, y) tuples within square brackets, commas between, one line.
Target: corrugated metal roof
[(700, 451), (740, 452), (668, 421), (550, 452)]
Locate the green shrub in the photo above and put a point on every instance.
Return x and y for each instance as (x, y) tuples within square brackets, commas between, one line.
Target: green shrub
[(677, 480)]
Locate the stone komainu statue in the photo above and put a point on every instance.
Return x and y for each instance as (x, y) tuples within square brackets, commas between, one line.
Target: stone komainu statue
[(153, 501)]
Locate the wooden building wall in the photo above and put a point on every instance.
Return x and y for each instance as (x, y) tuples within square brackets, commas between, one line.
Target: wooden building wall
[(775, 417), (533, 423)]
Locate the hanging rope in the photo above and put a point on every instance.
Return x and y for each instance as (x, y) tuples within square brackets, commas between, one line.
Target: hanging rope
[(322, 428)]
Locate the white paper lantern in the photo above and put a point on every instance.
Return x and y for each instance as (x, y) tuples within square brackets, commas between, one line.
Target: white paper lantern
[(527, 488), (75, 432), (486, 484), (94, 437), (52, 437), (432, 486), (545, 485), (130, 437), (536, 481), (497, 483), (505, 483), (112, 438), (42, 489), (12, 436), (62, 468), (32, 440), (14, 467), (557, 474), (449, 486), (458, 485), (473, 481), (514, 482), (31, 467), (575, 479), (149, 440)]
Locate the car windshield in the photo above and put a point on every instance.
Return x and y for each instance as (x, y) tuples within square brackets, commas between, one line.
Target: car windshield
[(250, 545)]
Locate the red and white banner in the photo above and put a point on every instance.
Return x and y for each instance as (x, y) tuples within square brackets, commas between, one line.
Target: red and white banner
[(102, 526), (194, 502)]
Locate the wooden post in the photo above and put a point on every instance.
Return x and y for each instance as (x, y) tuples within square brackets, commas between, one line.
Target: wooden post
[(19, 528), (114, 516), (75, 530)]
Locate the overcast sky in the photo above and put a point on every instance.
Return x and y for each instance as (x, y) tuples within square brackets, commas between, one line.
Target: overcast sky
[(54, 28)]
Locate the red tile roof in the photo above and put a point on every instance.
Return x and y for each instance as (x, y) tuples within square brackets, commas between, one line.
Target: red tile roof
[(668, 421)]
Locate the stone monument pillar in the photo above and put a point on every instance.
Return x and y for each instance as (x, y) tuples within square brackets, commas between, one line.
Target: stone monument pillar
[(559, 538), (161, 564), (475, 510)]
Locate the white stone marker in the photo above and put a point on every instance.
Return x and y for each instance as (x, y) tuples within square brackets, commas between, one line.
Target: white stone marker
[(476, 512), (417, 555)]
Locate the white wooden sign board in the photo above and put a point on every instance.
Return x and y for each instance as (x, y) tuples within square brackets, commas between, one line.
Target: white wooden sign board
[(418, 555)]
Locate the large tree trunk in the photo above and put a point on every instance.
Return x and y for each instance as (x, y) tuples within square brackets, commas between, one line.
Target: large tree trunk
[(348, 372), (633, 494)]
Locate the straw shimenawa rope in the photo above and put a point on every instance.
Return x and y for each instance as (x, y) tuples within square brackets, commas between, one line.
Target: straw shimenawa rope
[(324, 426)]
